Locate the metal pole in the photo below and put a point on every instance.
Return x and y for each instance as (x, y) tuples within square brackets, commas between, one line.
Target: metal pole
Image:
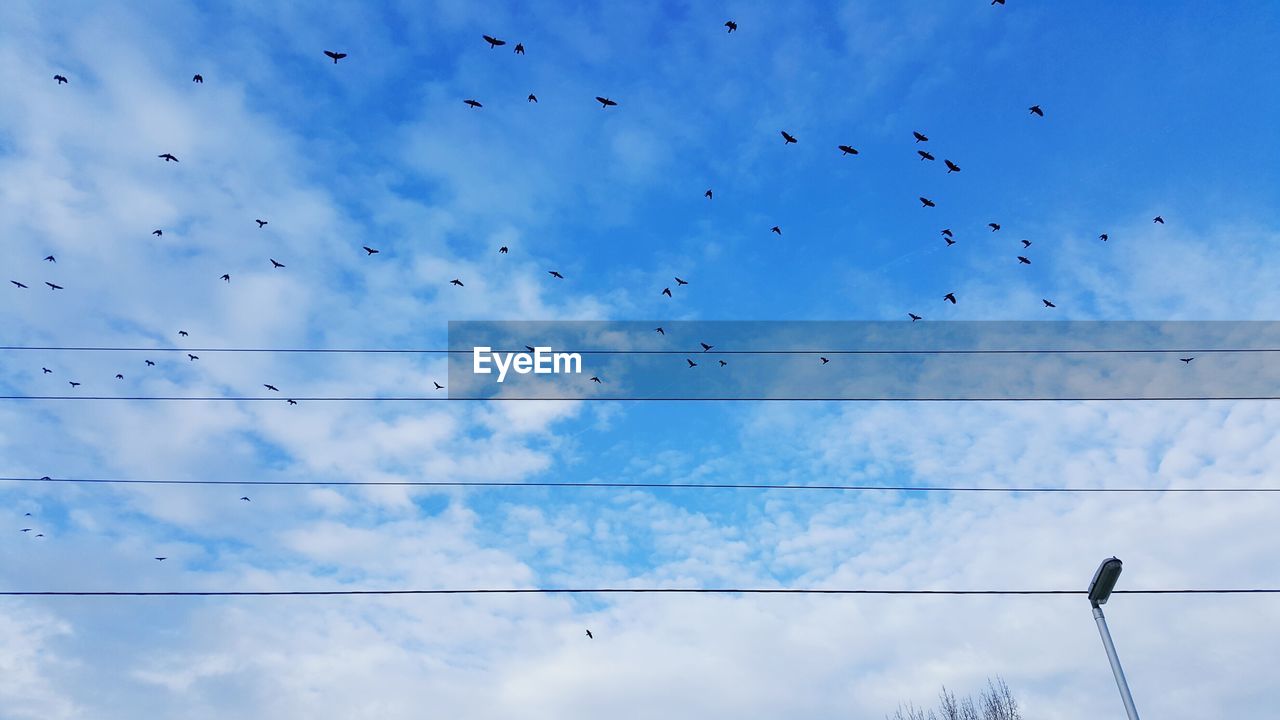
[(1115, 663)]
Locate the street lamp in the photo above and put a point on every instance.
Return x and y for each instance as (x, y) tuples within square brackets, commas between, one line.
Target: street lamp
[(1104, 581)]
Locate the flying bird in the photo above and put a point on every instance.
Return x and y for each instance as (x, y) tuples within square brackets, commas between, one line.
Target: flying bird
[(244, 498), (275, 264), (162, 558), (457, 282), (950, 297), (519, 49), (157, 232), (914, 317), (197, 78), (731, 25), (707, 194), (595, 379), (997, 2), (660, 331), (261, 223), (951, 167), (369, 250), (1026, 243), (335, 55), (927, 202), (18, 284), (1035, 110), (555, 274), (1187, 360), (291, 401), (824, 360), (192, 358), (947, 232), (949, 241), (924, 155), (994, 226), (150, 363), (502, 250), (62, 80), (1103, 237), (1048, 304), (590, 636), (46, 370), (787, 138), (1158, 219), (227, 277), (681, 282), (692, 364), (533, 98), (272, 388), (26, 529), (705, 347), (666, 291), (1023, 260), (167, 157), (723, 363), (73, 383), (438, 385), (182, 333), (52, 286), (605, 102), (473, 103), (493, 41), (919, 137), (775, 229), (119, 376), (50, 258), (846, 150)]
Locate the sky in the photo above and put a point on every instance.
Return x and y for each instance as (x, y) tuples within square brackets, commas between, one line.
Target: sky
[(1150, 109)]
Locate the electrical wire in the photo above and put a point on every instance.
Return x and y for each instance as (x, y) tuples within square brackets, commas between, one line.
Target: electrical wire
[(607, 591)]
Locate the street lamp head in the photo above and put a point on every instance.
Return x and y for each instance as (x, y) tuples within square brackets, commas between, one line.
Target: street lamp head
[(1104, 581)]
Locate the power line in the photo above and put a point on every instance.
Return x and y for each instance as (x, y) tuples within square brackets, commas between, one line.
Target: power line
[(635, 485), (436, 398), (608, 591), (699, 351)]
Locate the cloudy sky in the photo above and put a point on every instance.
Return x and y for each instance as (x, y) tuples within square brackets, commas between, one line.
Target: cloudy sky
[(1150, 109)]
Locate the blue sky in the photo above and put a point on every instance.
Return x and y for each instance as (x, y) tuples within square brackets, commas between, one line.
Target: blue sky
[(1150, 109)]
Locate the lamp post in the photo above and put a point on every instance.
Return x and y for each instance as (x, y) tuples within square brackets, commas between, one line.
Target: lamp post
[(1104, 581)]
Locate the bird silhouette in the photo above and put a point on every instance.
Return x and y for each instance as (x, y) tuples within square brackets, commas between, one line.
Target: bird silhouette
[(275, 264), (1048, 304), (162, 558), (997, 2), (950, 297), (52, 286), (336, 56), (457, 282), (150, 363), (438, 385), (473, 103), (26, 529), (18, 284), (50, 258), (167, 157), (197, 78), (947, 232), (924, 155), (590, 636), (1187, 360), (73, 383), (787, 138), (1158, 219), (846, 150), (182, 333), (533, 98), (369, 250), (39, 534), (951, 167), (555, 274), (46, 370), (272, 388), (776, 230), (1035, 110), (61, 79), (660, 331), (1103, 237), (666, 291), (157, 232), (723, 363), (681, 282), (519, 49), (914, 317), (705, 347), (994, 226), (731, 25), (292, 401), (1023, 260), (226, 277), (919, 137), (692, 364), (502, 250), (493, 41), (595, 379), (824, 360), (192, 358), (926, 202), (261, 223), (245, 498), (949, 241), (605, 102), (707, 194), (1026, 243)]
